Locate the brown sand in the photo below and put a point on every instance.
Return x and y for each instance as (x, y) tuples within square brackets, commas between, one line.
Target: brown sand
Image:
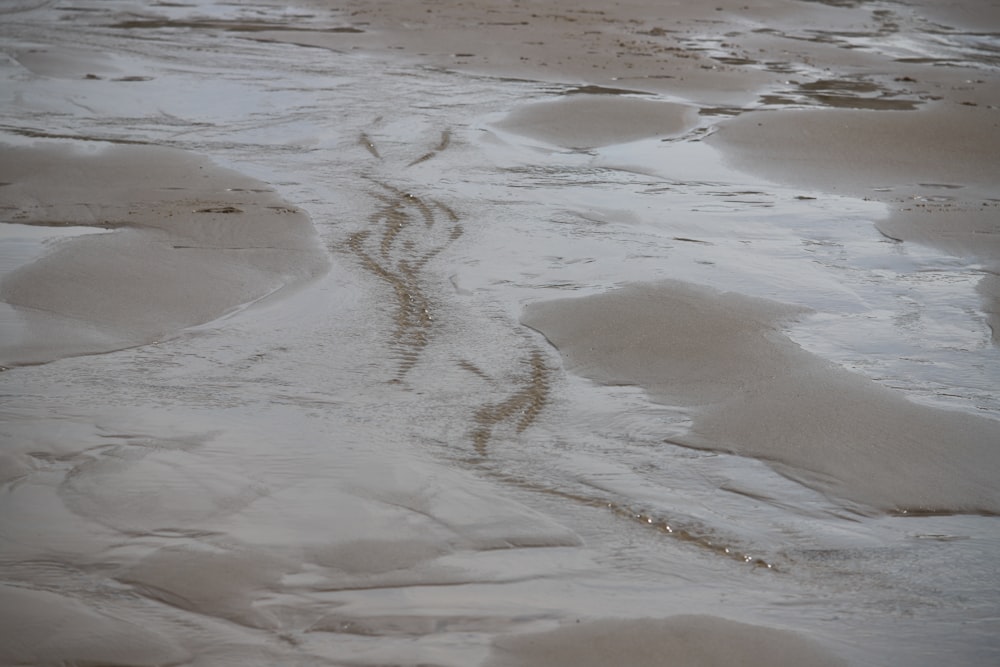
[(634, 44), (581, 121), (688, 641), (754, 392), (192, 242)]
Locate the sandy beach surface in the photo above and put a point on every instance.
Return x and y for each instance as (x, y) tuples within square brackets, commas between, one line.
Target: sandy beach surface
[(524, 333)]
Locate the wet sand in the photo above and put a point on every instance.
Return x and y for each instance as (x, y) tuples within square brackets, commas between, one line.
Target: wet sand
[(581, 121), (933, 169), (190, 243), (687, 640), (345, 448), (755, 393)]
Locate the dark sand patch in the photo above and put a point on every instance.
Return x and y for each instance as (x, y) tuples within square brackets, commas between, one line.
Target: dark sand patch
[(590, 121), (192, 242), (754, 392), (684, 641)]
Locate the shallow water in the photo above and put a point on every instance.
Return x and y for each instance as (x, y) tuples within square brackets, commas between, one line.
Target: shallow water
[(382, 465)]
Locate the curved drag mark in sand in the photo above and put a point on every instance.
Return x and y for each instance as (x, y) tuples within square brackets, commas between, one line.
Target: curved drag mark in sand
[(520, 409), (396, 249), (369, 145), (389, 250), (443, 144)]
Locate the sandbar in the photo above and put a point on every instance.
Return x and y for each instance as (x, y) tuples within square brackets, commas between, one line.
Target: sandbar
[(754, 392), (191, 242), (692, 641)]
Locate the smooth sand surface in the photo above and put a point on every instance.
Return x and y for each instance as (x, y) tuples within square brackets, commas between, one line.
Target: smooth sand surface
[(754, 392), (191, 243), (581, 121), (678, 641)]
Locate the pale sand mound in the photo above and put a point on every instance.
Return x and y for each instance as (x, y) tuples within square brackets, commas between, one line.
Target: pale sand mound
[(192, 241), (590, 121), (754, 392), (681, 641)]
